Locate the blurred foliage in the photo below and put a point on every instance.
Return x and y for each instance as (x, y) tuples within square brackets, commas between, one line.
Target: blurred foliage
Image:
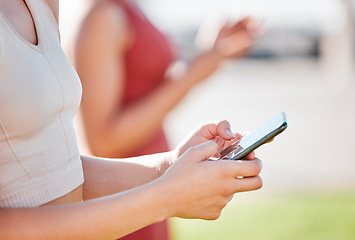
[(301, 217)]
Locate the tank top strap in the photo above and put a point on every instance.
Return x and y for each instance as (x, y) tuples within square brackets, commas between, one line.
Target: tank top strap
[(45, 25)]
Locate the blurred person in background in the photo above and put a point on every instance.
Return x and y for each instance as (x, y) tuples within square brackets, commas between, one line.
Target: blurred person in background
[(126, 67), (49, 191)]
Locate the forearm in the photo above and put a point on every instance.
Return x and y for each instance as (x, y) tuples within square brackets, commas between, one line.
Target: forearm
[(191, 188), (104, 218), (109, 176), (138, 122)]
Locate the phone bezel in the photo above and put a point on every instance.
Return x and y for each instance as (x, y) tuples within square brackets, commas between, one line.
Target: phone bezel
[(239, 152)]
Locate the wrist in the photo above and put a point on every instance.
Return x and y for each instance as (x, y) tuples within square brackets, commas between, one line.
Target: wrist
[(216, 55), (203, 66), (165, 195), (150, 202), (168, 159)]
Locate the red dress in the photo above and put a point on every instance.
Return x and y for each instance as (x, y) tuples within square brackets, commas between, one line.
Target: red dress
[(146, 63)]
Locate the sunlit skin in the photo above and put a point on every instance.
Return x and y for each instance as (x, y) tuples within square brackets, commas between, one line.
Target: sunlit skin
[(119, 195), (101, 44)]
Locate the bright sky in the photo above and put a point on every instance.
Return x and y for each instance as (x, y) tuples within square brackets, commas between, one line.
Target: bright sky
[(170, 15)]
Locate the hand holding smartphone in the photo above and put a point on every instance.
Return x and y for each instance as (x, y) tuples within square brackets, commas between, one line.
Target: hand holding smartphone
[(258, 137)]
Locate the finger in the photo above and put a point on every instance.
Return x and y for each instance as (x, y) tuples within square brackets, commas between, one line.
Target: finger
[(242, 168), (250, 156), (254, 27), (221, 128), (248, 184), (201, 152), (221, 145), (224, 130), (234, 44), (242, 23)]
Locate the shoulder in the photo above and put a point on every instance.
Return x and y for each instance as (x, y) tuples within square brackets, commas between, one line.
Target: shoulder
[(105, 18), (104, 29), (107, 12), (54, 6)]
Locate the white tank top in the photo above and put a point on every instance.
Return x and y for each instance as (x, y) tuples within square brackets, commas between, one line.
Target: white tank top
[(40, 93)]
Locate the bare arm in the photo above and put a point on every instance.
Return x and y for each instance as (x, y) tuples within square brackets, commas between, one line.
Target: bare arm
[(108, 176), (211, 185), (104, 218), (112, 129)]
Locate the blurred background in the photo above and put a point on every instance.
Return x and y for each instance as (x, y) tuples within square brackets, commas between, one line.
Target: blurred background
[(304, 66)]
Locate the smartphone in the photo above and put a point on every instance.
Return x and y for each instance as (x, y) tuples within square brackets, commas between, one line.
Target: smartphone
[(255, 139)]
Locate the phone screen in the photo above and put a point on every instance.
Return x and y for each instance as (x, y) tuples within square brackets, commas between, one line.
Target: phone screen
[(251, 141)]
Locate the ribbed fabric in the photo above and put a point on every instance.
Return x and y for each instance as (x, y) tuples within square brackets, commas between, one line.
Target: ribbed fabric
[(40, 193)]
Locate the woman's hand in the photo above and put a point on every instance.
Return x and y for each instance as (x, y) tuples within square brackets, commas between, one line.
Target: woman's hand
[(231, 41), (235, 40), (220, 132), (195, 187)]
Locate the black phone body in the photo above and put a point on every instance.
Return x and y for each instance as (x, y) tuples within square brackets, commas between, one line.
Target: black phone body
[(258, 137)]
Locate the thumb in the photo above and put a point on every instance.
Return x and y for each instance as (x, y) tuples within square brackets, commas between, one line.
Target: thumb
[(201, 152), (224, 130)]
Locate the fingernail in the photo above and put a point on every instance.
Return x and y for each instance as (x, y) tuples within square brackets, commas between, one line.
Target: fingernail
[(229, 132)]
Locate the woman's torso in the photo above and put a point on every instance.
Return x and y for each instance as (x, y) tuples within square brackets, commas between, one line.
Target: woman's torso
[(39, 95), (146, 62)]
